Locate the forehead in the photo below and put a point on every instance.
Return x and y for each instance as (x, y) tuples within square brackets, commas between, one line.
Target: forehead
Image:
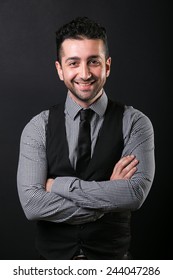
[(82, 48)]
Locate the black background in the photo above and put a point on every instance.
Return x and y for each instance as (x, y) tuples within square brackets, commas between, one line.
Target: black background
[(139, 40)]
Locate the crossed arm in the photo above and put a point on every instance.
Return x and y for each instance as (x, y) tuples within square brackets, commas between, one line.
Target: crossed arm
[(68, 199), (124, 169)]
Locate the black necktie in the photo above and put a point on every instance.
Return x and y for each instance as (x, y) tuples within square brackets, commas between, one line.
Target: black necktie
[(84, 141)]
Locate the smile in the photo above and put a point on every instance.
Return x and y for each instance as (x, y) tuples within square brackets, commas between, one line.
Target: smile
[(85, 84)]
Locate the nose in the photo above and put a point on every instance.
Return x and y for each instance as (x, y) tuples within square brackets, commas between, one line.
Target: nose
[(84, 72)]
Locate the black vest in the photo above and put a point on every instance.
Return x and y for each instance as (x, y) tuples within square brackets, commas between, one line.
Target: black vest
[(109, 236)]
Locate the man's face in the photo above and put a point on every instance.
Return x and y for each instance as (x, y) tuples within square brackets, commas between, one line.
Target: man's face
[(83, 69)]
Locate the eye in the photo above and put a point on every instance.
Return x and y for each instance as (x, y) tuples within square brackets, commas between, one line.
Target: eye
[(94, 62), (73, 64)]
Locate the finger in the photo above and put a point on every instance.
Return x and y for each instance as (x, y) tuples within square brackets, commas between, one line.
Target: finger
[(129, 167), (124, 168), (49, 183), (130, 173), (122, 163), (127, 174)]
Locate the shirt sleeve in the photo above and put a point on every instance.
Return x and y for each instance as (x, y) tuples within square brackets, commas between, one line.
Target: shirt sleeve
[(31, 178), (118, 195)]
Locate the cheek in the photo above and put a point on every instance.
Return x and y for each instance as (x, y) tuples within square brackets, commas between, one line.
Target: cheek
[(69, 75), (103, 74)]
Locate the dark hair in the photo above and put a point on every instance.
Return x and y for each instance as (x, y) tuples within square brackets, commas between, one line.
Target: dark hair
[(79, 28)]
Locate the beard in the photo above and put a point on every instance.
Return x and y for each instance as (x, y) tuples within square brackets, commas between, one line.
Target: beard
[(86, 90), (85, 95)]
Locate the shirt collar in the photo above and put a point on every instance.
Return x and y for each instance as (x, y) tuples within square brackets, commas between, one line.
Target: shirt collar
[(99, 107)]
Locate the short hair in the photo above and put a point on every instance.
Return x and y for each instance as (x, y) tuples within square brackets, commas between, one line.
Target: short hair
[(80, 28)]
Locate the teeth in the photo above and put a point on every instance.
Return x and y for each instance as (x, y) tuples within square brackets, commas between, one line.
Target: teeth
[(84, 84)]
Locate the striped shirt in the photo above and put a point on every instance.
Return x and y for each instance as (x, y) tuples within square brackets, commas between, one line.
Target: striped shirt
[(73, 200)]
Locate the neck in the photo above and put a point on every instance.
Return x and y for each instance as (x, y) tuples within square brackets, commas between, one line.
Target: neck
[(85, 103)]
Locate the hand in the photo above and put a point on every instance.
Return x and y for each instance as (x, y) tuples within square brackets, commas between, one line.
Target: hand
[(49, 184), (124, 168)]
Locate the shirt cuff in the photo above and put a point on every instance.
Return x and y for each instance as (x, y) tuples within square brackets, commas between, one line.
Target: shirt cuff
[(63, 185)]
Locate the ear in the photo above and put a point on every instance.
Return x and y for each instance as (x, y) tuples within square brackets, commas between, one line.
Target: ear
[(59, 70), (108, 66)]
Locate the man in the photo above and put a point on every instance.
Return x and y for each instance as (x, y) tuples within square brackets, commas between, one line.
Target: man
[(83, 203)]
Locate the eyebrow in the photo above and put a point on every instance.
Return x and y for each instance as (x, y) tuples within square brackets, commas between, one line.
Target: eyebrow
[(78, 58), (72, 58)]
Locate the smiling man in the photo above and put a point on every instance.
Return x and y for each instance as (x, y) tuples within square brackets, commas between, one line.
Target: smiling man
[(85, 165), (84, 69)]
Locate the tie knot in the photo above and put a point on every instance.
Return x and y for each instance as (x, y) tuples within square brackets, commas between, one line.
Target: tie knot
[(85, 114)]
